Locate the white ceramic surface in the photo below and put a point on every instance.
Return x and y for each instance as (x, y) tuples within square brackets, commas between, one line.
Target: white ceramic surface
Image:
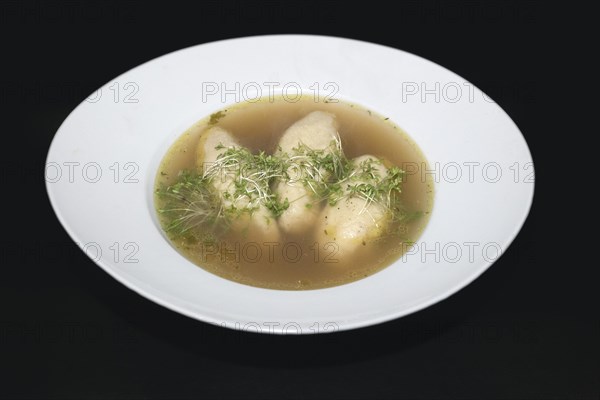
[(124, 129)]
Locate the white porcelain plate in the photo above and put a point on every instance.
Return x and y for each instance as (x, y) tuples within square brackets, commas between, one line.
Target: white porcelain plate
[(103, 159)]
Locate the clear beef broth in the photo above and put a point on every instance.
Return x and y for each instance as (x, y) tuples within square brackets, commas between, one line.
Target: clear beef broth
[(299, 261)]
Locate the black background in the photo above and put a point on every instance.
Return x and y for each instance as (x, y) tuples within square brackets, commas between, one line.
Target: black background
[(524, 329)]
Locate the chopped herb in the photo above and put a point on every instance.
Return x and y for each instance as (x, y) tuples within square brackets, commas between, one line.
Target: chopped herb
[(318, 170), (215, 117), (239, 182), (277, 207), (188, 203)]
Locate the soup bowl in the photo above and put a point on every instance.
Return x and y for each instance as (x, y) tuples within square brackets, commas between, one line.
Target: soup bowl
[(102, 163)]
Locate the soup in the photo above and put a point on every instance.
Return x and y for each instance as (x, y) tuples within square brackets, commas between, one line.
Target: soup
[(293, 196)]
